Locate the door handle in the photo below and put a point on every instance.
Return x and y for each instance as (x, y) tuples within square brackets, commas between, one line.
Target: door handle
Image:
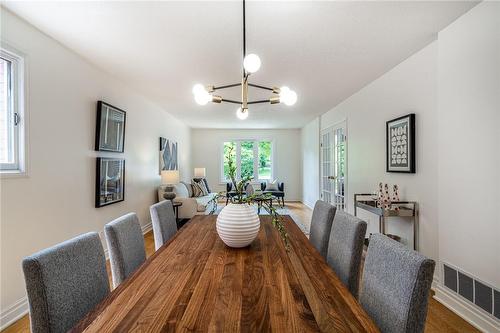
[(332, 177)]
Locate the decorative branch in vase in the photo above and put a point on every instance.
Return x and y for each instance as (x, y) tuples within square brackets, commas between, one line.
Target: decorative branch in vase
[(238, 223)]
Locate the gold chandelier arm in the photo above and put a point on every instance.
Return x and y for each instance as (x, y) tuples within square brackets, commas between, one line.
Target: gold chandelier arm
[(226, 86), (275, 90), (272, 100), (231, 101)]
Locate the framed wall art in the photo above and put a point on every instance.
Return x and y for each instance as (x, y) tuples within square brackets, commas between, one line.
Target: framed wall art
[(400, 144), (168, 155), (110, 181), (110, 128)]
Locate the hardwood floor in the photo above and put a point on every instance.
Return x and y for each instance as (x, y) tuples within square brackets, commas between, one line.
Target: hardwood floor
[(439, 318)]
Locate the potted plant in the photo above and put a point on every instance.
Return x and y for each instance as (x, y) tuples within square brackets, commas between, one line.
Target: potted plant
[(238, 223)]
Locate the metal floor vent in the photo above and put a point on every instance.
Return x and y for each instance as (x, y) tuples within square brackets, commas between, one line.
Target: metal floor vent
[(476, 292)]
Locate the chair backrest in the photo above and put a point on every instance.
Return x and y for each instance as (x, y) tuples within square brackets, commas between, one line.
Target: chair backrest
[(345, 249), (396, 284), (125, 246), (321, 225), (164, 223), (65, 282)]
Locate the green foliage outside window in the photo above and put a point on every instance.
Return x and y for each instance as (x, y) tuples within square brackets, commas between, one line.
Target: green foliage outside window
[(247, 159), (264, 160), (227, 147), (255, 159)]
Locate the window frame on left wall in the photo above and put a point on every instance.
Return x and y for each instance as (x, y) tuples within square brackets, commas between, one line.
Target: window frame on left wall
[(17, 115)]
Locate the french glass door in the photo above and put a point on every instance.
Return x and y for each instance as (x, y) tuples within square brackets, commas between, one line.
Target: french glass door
[(333, 165)]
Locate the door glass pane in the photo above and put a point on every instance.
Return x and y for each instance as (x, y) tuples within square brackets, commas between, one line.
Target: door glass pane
[(264, 168), (6, 116), (247, 159), (227, 147)]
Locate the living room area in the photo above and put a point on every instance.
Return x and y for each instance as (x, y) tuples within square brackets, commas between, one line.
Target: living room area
[(383, 114)]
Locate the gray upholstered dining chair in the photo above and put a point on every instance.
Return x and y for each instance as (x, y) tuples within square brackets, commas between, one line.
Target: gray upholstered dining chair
[(395, 286), (321, 225), (65, 282), (164, 222), (345, 249), (125, 245)]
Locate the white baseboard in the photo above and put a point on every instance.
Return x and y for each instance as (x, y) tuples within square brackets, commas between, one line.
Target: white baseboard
[(21, 307), (146, 228), (305, 204), (13, 313), (476, 317)]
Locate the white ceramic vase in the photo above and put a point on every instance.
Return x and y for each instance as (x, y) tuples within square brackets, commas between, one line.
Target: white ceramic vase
[(238, 225)]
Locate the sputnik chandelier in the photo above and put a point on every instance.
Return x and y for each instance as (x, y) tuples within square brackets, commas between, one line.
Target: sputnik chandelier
[(251, 64)]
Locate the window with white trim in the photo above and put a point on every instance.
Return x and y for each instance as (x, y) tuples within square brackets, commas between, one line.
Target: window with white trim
[(252, 158), (12, 125)]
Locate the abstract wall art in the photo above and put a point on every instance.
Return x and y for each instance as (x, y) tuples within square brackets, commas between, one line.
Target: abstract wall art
[(168, 155)]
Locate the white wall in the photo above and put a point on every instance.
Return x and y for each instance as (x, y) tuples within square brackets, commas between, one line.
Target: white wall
[(453, 86), (410, 87), (206, 150), (310, 163), (56, 201), (469, 142)]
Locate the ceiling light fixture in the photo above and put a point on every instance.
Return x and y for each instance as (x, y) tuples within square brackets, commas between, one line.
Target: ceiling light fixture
[(251, 64)]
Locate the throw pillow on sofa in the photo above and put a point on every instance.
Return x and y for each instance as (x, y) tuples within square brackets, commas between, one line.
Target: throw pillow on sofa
[(203, 187), (189, 188), (204, 180), (199, 189), (272, 186)]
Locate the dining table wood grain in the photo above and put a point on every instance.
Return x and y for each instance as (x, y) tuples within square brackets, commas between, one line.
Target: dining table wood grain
[(195, 282)]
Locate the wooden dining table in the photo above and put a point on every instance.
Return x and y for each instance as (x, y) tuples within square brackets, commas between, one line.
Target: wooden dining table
[(196, 283)]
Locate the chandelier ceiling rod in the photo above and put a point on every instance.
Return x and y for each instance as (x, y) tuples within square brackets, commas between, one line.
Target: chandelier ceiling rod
[(244, 37), (251, 64)]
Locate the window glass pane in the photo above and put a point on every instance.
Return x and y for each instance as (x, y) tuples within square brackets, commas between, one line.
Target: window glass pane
[(247, 159), (6, 117), (227, 146), (265, 160)]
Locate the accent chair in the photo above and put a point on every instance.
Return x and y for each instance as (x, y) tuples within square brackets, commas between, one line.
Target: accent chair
[(164, 222), (65, 282), (345, 249), (395, 286), (321, 226), (126, 246)]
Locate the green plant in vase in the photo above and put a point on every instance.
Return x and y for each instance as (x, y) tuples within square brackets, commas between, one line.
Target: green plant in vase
[(230, 221)]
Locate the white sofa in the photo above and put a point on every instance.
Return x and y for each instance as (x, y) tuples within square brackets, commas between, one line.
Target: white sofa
[(191, 206)]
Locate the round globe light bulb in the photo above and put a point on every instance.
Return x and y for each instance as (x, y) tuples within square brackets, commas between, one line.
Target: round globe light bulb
[(242, 114), (291, 98), (198, 89), (202, 98), (251, 63)]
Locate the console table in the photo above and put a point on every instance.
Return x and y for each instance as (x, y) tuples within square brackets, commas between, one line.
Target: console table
[(406, 209)]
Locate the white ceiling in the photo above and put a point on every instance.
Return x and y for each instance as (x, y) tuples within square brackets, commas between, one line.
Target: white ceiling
[(325, 51)]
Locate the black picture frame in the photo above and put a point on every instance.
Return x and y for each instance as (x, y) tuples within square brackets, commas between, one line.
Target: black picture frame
[(115, 127), (400, 144), (109, 184)]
